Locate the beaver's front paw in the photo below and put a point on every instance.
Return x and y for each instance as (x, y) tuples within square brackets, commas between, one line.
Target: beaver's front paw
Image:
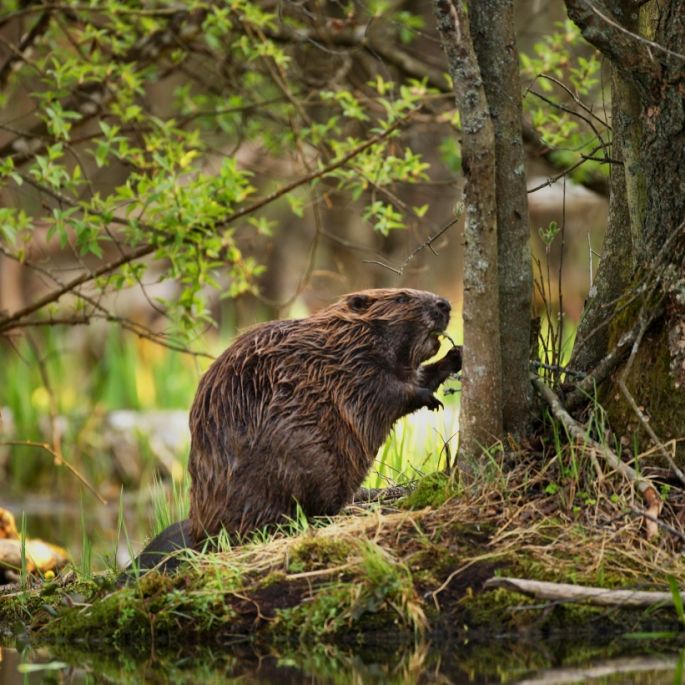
[(453, 359), (429, 400)]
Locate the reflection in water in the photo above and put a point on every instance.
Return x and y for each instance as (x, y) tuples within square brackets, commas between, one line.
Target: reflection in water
[(499, 661), (36, 667)]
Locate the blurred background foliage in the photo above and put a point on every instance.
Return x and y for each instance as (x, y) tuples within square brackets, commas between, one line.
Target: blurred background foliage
[(170, 174)]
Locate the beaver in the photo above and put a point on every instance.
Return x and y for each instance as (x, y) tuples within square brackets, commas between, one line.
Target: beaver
[(294, 411)]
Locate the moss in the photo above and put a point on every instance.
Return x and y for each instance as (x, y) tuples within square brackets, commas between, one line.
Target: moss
[(275, 578), (432, 563), (377, 594), (651, 385), (431, 491), (316, 552), (19, 608), (155, 609)]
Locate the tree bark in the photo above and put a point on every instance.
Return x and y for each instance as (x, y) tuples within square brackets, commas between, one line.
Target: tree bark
[(481, 402), (618, 256), (492, 28), (647, 48)]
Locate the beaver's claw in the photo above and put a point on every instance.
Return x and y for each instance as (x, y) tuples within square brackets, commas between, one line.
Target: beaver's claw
[(433, 403)]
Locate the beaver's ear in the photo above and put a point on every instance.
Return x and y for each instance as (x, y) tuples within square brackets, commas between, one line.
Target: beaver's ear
[(358, 302)]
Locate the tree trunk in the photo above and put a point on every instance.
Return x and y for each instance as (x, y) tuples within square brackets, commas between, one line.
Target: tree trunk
[(618, 256), (652, 145), (492, 29), (481, 401)]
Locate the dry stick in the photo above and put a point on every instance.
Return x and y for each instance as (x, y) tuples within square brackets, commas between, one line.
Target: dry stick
[(560, 293), (604, 669), (428, 243), (582, 594), (644, 422), (577, 100), (553, 179), (661, 524), (644, 485), (568, 110)]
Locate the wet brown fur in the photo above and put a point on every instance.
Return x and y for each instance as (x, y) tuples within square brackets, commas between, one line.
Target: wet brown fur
[(295, 411)]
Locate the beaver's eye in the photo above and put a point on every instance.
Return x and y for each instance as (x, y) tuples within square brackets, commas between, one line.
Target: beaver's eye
[(402, 299), (359, 302)]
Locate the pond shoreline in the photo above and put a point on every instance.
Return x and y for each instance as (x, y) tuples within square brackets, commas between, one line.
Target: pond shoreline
[(382, 578)]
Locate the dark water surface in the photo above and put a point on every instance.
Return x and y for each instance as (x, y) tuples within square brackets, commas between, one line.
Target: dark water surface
[(500, 661)]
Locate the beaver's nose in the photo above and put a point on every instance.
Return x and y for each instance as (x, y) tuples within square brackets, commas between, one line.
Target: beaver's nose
[(443, 305)]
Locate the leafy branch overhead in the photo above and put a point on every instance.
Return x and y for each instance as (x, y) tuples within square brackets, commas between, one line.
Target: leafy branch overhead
[(148, 142), (152, 143)]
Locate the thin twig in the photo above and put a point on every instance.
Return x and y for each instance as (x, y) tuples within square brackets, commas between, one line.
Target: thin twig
[(637, 37), (576, 99), (659, 522), (553, 179), (608, 364), (579, 432), (399, 270), (562, 231), (62, 461), (570, 111)]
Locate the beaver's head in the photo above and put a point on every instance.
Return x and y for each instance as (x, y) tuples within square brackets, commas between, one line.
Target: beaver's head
[(406, 322)]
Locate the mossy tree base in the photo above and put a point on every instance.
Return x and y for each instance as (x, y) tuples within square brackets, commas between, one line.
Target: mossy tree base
[(651, 383)]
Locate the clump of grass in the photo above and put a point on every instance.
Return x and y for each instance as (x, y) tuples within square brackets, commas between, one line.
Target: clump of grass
[(171, 505), (418, 445)]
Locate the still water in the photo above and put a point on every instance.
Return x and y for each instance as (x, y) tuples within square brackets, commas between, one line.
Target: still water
[(501, 661)]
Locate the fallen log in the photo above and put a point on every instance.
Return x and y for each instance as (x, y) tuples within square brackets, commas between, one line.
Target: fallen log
[(582, 594)]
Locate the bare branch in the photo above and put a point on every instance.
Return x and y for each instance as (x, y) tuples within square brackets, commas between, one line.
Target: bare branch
[(59, 460), (399, 270), (629, 52), (25, 44), (553, 179), (581, 594)]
